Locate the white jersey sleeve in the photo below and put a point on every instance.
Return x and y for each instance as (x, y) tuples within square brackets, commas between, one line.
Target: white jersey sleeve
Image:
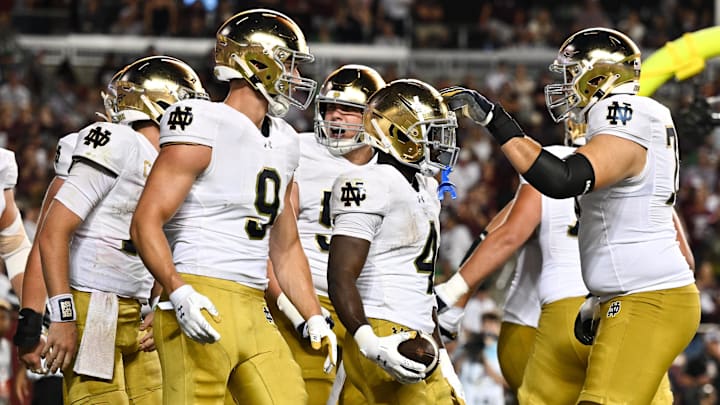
[(106, 145), (63, 154), (190, 121), (354, 192), (624, 116), (8, 169)]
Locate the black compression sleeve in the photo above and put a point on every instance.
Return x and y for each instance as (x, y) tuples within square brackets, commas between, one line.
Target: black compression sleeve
[(558, 178), (503, 126)]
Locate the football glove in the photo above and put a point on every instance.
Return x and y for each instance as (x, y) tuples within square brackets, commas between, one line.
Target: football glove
[(318, 330), (188, 305), (449, 321), (383, 351), (470, 103), (587, 320)]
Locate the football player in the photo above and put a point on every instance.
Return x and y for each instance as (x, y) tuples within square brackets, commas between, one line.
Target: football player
[(627, 177), (212, 214), (95, 280), (384, 244), (34, 297), (14, 243), (336, 146)]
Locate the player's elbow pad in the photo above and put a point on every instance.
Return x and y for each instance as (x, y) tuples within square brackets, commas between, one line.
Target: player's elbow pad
[(561, 178), (14, 247)]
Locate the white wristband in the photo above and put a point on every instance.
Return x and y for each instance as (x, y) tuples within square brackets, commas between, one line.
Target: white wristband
[(286, 307), (452, 290), (62, 308)]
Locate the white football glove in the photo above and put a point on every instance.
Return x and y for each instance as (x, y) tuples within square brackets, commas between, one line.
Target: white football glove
[(321, 336), (188, 304), (448, 371), (450, 320), (383, 351)]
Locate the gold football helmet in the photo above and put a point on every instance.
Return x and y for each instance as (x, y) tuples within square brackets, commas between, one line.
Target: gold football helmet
[(409, 120), (348, 86), (265, 48), (145, 88), (594, 62)]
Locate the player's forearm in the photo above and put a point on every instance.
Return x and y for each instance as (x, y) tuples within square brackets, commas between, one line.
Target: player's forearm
[(491, 254), (154, 250), (347, 302), (54, 246), (294, 278), (34, 290)]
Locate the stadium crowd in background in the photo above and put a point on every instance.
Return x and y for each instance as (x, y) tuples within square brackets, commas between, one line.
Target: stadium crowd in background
[(39, 104)]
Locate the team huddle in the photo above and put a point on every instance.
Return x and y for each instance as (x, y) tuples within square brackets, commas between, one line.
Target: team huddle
[(200, 252)]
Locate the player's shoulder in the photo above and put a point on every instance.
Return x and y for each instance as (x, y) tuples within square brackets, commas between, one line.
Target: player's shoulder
[(63, 153), (362, 188), (192, 120), (8, 168), (106, 144)]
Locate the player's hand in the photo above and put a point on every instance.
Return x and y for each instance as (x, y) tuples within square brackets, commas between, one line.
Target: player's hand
[(470, 103), (61, 345), (383, 351), (587, 320), (188, 305), (147, 338), (323, 338), (30, 356), (449, 321), (448, 371)]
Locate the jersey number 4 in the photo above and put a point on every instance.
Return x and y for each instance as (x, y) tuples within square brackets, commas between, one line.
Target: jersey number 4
[(267, 203), (322, 240), (672, 143), (425, 262)]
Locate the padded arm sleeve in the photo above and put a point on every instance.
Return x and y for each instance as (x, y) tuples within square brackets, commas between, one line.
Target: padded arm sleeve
[(561, 178)]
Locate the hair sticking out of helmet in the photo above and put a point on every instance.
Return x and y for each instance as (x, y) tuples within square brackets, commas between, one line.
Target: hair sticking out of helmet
[(594, 63), (266, 48), (145, 88), (348, 89), (409, 120)]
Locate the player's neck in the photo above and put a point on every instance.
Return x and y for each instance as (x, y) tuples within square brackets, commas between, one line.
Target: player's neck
[(360, 156), (149, 130), (245, 99)]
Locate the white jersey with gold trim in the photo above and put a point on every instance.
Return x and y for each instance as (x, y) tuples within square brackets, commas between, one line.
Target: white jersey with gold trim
[(8, 172), (561, 276), (522, 303), (627, 238), (222, 229), (101, 255), (396, 282), (63, 154), (315, 176)]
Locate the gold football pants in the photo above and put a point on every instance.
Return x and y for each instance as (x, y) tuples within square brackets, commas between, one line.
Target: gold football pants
[(136, 376), (251, 359), (514, 345)]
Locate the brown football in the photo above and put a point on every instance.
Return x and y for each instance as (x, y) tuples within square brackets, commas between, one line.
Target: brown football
[(422, 349)]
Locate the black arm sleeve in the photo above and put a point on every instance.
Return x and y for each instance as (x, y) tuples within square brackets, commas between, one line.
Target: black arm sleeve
[(558, 178)]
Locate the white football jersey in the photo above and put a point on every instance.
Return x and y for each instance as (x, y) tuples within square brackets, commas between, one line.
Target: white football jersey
[(522, 303), (627, 238), (315, 176), (396, 282), (222, 228), (561, 276), (102, 257), (8, 172), (63, 154)]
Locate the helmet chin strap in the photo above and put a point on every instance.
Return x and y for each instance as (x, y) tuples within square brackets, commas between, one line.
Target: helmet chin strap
[(277, 107)]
